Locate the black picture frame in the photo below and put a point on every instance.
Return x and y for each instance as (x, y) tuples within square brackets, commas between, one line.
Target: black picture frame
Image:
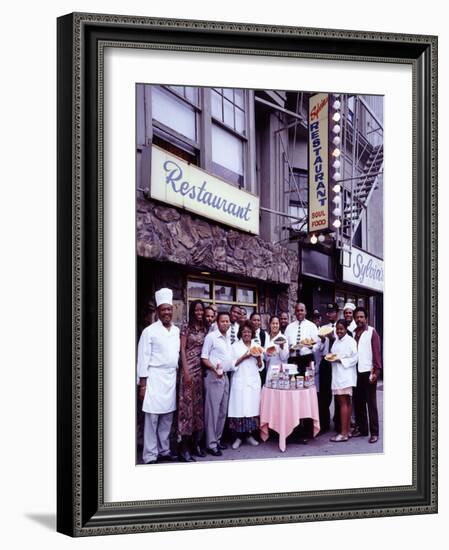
[(81, 510)]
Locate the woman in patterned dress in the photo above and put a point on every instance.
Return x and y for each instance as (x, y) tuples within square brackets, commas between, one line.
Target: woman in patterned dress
[(191, 403)]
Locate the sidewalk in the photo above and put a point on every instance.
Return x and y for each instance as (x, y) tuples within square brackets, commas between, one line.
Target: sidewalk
[(320, 446)]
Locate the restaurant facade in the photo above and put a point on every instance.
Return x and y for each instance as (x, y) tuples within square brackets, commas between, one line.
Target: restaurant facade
[(224, 197)]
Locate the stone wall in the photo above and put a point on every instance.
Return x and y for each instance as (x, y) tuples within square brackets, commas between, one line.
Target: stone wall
[(166, 234)]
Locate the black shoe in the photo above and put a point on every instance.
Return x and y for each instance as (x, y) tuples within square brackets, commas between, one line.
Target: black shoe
[(222, 446), (167, 458), (198, 451), (185, 456), (301, 441), (215, 452), (358, 433)]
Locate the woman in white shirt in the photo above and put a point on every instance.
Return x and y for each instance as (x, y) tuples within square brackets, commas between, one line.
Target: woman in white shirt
[(344, 376), (275, 354), (244, 395)]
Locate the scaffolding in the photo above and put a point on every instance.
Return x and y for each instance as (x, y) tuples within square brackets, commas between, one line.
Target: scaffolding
[(361, 169)]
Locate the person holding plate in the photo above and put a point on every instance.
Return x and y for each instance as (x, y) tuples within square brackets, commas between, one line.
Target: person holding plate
[(276, 351), (244, 395), (303, 341), (343, 357), (216, 358)]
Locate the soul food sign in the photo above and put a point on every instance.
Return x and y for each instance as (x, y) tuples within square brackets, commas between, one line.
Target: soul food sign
[(181, 184), (365, 270), (318, 162)]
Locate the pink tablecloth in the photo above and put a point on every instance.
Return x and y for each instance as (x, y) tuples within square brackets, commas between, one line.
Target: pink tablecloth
[(281, 410)]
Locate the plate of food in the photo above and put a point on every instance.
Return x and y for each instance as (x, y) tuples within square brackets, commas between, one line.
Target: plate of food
[(271, 350), (331, 357), (325, 331), (256, 351), (280, 340), (307, 342)]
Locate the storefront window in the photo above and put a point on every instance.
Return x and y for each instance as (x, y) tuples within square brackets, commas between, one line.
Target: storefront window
[(222, 293), (198, 290), (246, 295)]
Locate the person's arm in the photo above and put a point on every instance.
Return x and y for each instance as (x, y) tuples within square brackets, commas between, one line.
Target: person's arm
[(185, 370), (143, 361), (377, 361), (206, 351)]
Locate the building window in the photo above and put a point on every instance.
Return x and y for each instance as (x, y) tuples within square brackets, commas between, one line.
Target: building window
[(175, 113), (228, 119), (298, 200), (222, 293), (187, 124)]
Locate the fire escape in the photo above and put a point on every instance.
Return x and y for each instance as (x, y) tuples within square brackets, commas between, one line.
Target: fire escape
[(362, 169)]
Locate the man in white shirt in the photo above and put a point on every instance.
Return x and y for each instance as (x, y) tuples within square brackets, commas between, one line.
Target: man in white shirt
[(234, 325), (348, 314), (302, 356), (295, 333), (216, 356), (325, 393), (157, 364)]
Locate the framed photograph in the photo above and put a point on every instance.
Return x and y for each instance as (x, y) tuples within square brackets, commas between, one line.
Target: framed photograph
[(247, 280)]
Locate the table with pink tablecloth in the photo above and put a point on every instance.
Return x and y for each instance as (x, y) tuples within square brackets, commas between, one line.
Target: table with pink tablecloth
[(282, 410)]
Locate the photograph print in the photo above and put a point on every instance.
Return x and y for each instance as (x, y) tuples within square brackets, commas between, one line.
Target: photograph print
[(259, 261)]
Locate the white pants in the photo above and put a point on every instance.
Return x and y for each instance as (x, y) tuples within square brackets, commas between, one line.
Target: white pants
[(156, 435)]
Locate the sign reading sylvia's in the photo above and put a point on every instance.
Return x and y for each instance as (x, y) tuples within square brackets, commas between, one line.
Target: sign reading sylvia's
[(318, 162), (184, 185), (365, 270)]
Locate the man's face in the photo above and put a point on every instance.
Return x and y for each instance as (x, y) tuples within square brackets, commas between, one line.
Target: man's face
[(209, 316), (243, 316), (256, 322), (360, 319), (223, 323), (300, 312), (284, 320), (234, 314), (348, 315), (332, 316), (165, 314)]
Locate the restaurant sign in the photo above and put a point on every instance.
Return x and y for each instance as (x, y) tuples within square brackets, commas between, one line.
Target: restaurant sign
[(176, 182), (365, 270), (318, 163)]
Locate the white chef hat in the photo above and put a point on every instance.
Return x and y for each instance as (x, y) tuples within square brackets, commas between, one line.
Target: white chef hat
[(349, 305), (164, 296)]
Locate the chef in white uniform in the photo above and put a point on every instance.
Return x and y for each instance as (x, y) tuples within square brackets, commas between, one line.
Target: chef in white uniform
[(348, 314), (157, 364)]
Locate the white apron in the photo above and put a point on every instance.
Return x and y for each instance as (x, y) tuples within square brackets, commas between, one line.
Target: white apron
[(160, 395), (244, 395)]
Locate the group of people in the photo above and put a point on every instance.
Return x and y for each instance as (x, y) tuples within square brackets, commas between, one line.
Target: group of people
[(220, 376)]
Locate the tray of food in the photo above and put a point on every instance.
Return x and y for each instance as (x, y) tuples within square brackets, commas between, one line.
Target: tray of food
[(331, 357), (325, 331)]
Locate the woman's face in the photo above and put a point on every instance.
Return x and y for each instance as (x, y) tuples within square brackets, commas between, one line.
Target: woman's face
[(209, 315), (199, 312), (274, 325), (246, 335), (340, 330)]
